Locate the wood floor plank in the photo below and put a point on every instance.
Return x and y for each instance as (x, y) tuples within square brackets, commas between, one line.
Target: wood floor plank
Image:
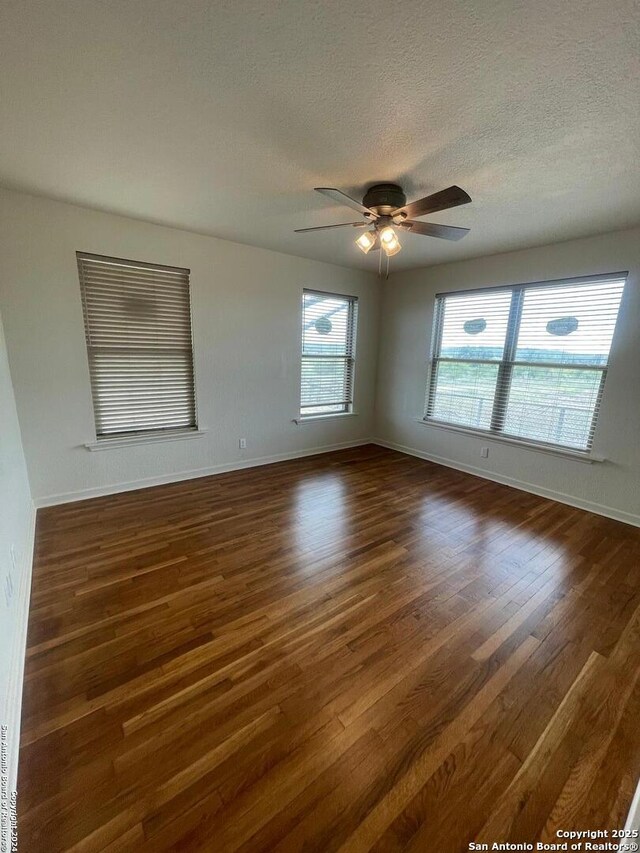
[(357, 651)]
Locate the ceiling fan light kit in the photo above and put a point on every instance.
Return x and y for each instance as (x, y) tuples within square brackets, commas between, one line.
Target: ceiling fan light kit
[(366, 241), (385, 205)]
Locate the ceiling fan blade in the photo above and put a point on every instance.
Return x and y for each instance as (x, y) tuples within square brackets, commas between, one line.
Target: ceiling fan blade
[(343, 198), (451, 197), (430, 229), (324, 227)]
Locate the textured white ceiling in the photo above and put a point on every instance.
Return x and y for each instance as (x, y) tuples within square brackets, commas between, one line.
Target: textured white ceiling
[(221, 116)]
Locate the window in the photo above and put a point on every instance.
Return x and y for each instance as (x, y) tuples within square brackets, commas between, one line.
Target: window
[(527, 361), (138, 329), (328, 353)]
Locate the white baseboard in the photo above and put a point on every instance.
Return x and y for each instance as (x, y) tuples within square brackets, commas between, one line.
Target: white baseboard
[(552, 494), (223, 468), (18, 643)]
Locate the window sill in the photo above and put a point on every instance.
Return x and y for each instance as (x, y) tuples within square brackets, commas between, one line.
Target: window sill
[(314, 418), (577, 455), (147, 438)]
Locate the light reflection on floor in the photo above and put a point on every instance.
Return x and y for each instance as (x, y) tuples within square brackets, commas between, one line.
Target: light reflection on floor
[(322, 516), (466, 529)]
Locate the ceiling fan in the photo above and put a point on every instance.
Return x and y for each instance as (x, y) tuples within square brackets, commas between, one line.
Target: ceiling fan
[(385, 206)]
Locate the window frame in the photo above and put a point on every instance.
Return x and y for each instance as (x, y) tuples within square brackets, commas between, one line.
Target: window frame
[(509, 361), (145, 434), (349, 358)]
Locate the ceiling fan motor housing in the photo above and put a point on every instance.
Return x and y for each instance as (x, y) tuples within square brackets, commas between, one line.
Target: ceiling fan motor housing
[(383, 198)]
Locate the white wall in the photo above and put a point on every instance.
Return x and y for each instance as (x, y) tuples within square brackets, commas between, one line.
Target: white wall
[(16, 550), (246, 328), (611, 487)]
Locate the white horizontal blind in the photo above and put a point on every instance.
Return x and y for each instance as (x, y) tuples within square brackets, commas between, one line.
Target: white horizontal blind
[(138, 330), (528, 361), (328, 353)]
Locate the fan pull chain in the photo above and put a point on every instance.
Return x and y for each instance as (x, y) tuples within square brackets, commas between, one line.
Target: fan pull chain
[(380, 262), (387, 275)]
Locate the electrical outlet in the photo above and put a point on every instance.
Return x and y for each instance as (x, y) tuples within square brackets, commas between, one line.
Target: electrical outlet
[(484, 452), (242, 443)]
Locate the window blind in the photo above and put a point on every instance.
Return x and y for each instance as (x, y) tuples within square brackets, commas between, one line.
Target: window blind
[(138, 332), (328, 353), (528, 361)]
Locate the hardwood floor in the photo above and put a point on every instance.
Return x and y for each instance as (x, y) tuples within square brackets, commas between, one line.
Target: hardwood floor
[(357, 651)]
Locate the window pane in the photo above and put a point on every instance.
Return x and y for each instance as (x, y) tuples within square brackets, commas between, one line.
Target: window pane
[(324, 410), (572, 324), (324, 382), (475, 325), (552, 404), (140, 390), (325, 325), (464, 393)]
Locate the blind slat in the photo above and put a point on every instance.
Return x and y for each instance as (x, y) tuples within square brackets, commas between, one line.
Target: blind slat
[(139, 344)]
